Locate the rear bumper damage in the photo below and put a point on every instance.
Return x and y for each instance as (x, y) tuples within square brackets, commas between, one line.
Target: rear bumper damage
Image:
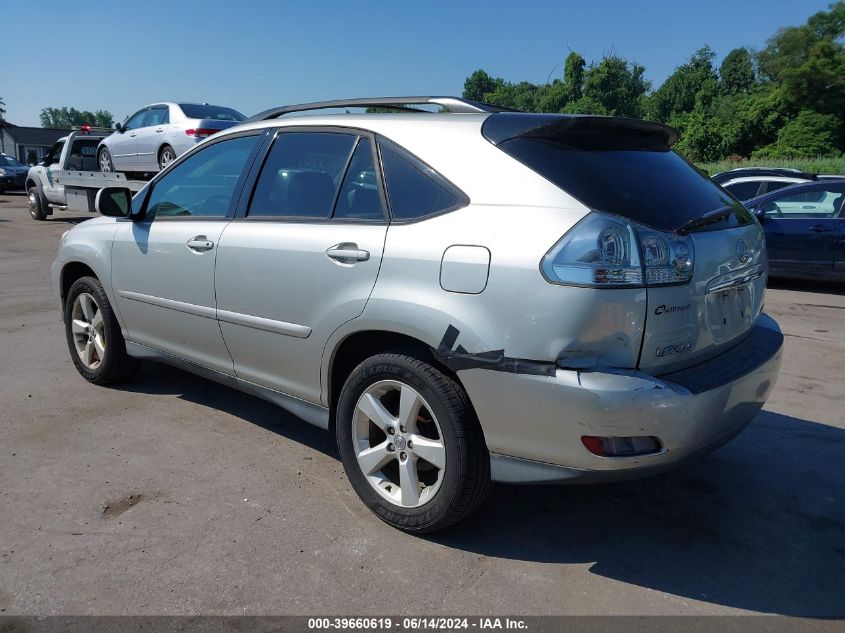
[(533, 424)]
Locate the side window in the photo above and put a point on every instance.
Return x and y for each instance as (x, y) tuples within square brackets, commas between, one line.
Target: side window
[(54, 153), (816, 203), (774, 185), (743, 190), (301, 176), (157, 116), (203, 184), (136, 120), (359, 197), (413, 189)]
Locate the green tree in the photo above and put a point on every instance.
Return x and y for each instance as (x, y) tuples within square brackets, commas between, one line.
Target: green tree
[(479, 84), (614, 87), (65, 118), (808, 62), (808, 134), (677, 94), (736, 74), (573, 75)]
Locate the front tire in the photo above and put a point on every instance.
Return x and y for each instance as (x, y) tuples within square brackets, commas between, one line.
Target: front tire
[(94, 339), (411, 444), (104, 160), (36, 204)]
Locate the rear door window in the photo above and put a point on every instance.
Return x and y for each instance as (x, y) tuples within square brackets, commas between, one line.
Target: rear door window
[(302, 175), (414, 190), (359, 197)]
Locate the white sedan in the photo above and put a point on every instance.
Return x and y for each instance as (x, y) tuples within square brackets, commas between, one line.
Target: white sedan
[(156, 134)]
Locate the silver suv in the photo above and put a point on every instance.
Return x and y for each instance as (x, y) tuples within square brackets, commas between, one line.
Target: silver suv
[(461, 296)]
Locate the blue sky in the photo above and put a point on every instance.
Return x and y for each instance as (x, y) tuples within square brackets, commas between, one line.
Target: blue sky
[(252, 54)]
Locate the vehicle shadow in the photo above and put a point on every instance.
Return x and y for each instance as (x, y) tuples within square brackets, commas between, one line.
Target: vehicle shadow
[(758, 525), (155, 378)]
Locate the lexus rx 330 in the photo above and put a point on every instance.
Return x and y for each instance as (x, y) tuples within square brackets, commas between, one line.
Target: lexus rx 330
[(462, 297)]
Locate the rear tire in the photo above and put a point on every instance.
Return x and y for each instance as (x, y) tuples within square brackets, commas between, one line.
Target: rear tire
[(435, 442), (104, 160), (165, 156), (93, 334), (36, 204)]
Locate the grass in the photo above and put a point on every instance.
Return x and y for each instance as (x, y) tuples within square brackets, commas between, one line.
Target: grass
[(811, 165)]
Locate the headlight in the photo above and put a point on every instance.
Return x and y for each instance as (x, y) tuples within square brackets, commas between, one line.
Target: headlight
[(606, 251), (2, 172)]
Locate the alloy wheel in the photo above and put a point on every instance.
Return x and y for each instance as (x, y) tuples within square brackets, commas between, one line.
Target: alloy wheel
[(88, 331), (398, 443), (167, 157), (105, 161)]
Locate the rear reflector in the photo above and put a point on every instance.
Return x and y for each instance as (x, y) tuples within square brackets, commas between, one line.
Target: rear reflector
[(621, 446), (201, 132)]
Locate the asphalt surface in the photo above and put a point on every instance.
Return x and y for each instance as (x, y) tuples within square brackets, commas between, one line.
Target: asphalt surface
[(173, 495)]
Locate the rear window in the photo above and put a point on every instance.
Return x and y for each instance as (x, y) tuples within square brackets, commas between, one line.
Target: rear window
[(616, 165), (744, 190), (83, 155), (656, 188), (218, 113)]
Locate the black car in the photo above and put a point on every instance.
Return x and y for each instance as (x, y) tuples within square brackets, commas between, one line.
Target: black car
[(805, 229), (12, 174)]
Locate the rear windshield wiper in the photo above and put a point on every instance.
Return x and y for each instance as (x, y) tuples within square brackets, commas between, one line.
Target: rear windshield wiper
[(711, 217)]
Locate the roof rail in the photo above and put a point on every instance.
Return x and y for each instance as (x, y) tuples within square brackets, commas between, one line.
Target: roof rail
[(452, 104)]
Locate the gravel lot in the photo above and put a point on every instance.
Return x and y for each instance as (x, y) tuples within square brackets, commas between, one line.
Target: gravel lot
[(173, 495)]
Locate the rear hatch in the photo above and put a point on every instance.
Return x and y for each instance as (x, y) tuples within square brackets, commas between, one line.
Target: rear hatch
[(624, 169)]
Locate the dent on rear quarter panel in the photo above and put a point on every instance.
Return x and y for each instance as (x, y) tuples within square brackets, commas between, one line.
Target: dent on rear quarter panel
[(518, 312)]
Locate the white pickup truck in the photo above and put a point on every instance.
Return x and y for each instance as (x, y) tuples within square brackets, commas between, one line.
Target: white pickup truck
[(69, 177)]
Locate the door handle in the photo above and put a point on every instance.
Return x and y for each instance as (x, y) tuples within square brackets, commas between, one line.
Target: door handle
[(822, 228), (161, 129), (132, 135), (347, 253), (200, 244)]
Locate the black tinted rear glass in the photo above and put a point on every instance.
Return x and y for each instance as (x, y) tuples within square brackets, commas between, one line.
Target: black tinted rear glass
[(218, 113), (413, 189), (657, 188)]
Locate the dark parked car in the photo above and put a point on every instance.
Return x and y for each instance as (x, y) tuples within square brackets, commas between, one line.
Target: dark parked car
[(745, 183), (805, 229), (12, 174)]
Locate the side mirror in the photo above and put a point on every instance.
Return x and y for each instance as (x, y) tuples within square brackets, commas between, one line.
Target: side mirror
[(765, 211), (119, 128), (114, 202)]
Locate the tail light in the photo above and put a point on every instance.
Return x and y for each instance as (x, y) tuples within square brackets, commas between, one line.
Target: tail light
[(606, 251), (201, 132)]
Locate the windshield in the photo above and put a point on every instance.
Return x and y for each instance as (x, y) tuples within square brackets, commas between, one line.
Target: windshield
[(8, 161), (218, 113)]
